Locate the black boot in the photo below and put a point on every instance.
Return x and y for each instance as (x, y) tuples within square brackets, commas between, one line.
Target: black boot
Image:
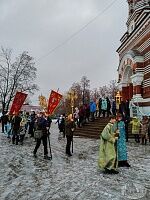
[(111, 171), (34, 155), (135, 136), (126, 164), (145, 141), (138, 139), (142, 141), (46, 157), (120, 163)]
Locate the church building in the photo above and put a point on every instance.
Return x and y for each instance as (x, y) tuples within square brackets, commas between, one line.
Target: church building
[(134, 57)]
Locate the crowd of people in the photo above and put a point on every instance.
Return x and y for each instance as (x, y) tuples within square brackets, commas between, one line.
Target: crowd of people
[(113, 149), (36, 125), (102, 107), (17, 125)]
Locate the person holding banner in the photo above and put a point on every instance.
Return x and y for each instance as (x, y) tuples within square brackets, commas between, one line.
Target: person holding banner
[(69, 129)]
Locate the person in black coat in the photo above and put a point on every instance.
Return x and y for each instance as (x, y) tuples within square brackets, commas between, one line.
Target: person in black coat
[(62, 125), (100, 107), (43, 125), (114, 109), (15, 123), (108, 106), (31, 123), (69, 129), (4, 121)]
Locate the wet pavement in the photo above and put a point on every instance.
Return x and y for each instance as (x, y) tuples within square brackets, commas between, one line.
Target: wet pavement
[(23, 177)]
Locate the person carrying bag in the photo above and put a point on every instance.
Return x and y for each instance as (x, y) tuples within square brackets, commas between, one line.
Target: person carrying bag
[(41, 134)]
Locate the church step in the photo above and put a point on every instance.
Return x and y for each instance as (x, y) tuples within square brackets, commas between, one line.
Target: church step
[(96, 136), (98, 121), (94, 129), (85, 135), (90, 128), (87, 132)]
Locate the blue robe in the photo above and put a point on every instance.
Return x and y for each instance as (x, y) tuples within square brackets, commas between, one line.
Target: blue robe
[(121, 144)]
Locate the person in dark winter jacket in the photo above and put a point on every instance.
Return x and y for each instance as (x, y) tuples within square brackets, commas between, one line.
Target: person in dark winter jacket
[(87, 112), (4, 120), (108, 106), (100, 107), (81, 116), (15, 123), (114, 110), (69, 129), (43, 125), (32, 119), (62, 125)]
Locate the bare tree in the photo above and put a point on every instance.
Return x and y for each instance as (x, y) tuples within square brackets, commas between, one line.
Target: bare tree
[(109, 90), (85, 85), (17, 75), (103, 91), (95, 94), (76, 87), (113, 88)]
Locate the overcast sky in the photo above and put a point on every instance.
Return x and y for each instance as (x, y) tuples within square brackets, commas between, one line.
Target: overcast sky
[(38, 26)]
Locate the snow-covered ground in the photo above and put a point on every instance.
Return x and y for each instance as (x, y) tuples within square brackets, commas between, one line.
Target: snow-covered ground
[(23, 177)]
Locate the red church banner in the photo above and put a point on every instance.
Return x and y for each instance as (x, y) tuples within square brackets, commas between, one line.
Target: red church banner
[(53, 102), (18, 102)]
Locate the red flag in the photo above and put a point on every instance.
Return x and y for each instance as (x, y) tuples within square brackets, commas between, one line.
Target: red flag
[(18, 102), (53, 102)]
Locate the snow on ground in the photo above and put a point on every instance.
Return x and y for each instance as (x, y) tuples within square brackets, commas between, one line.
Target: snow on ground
[(23, 177)]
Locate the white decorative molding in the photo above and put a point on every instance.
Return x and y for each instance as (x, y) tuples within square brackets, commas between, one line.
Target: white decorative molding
[(139, 59), (124, 61), (129, 55), (137, 98), (137, 79)]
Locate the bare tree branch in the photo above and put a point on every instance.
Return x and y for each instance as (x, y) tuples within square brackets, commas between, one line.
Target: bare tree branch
[(18, 75)]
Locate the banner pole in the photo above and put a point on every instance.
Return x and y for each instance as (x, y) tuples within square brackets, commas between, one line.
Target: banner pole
[(49, 146)]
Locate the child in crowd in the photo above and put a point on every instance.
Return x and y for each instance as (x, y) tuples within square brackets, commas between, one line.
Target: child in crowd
[(136, 128)]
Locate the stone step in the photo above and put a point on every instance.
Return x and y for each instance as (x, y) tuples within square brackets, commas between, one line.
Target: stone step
[(98, 120), (88, 132), (96, 136), (85, 135), (93, 129), (90, 128)]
